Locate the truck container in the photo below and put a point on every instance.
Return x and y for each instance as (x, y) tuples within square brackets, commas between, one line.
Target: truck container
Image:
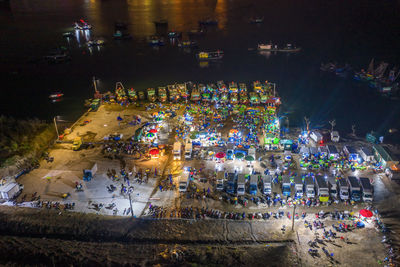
[(335, 136), (188, 150), (333, 188), (298, 186), (267, 184), (333, 152), (220, 180), (322, 188), (367, 189), (177, 150), (183, 183), (366, 154), (231, 183), (351, 153), (286, 189), (355, 189), (253, 184), (343, 188), (241, 184), (316, 137), (310, 187)]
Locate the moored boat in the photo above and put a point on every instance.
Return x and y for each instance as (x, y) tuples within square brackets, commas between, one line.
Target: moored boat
[(207, 22), (162, 94), (162, 22), (151, 94), (256, 20), (82, 25), (119, 35), (234, 99), (274, 48), (120, 92), (242, 87), (156, 41), (183, 91), (95, 42), (244, 99), (56, 95), (132, 94), (195, 95), (174, 95), (215, 55), (141, 95), (185, 44), (233, 87), (174, 34), (254, 99)]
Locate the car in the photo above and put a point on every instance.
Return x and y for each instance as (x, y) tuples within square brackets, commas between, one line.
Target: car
[(229, 154)]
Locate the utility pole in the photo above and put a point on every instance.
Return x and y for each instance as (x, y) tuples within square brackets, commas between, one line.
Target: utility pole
[(307, 121), (95, 84), (130, 202), (55, 124), (294, 210)]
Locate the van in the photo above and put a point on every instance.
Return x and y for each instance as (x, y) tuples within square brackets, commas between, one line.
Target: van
[(241, 184), (220, 180), (267, 184), (183, 184), (253, 184), (316, 137)]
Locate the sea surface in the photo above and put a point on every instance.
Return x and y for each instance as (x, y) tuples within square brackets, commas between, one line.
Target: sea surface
[(343, 31)]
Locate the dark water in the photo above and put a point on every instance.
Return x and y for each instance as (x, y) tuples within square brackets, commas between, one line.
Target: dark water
[(343, 31)]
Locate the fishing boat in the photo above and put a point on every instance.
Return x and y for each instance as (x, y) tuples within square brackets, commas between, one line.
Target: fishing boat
[(132, 94), (120, 92), (195, 95), (215, 97), (186, 44), (222, 87), (254, 99), (56, 95), (263, 98), (215, 55), (208, 22), (233, 87), (234, 99), (183, 91), (156, 41), (174, 95), (256, 20), (205, 97), (244, 99), (162, 94), (242, 88), (82, 25), (68, 34), (119, 35), (224, 98), (141, 95), (95, 42), (151, 94), (161, 23), (274, 48), (257, 87)]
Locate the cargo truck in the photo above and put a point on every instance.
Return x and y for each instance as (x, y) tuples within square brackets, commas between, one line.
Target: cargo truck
[(343, 189), (298, 186), (267, 184), (177, 150), (188, 150), (333, 188), (286, 190), (231, 183), (310, 188), (367, 189), (355, 189), (253, 184), (183, 184), (220, 180), (241, 184), (10, 190), (322, 188)]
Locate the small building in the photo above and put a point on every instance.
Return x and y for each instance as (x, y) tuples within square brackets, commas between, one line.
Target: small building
[(351, 153), (366, 154), (383, 155), (333, 152)]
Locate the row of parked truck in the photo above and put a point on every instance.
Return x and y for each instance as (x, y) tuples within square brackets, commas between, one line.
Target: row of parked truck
[(325, 188)]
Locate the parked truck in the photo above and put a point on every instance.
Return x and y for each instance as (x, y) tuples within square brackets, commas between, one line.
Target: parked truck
[(77, 143), (177, 150), (267, 184), (355, 189), (286, 190), (310, 188), (188, 150), (231, 183), (183, 184), (89, 173), (298, 186), (253, 184), (220, 180), (367, 189), (241, 184), (333, 188), (343, 189), (322, 188)]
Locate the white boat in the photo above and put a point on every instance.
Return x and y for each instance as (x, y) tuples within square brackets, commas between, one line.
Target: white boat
[(96, 42), (56, 95), (275, 48)]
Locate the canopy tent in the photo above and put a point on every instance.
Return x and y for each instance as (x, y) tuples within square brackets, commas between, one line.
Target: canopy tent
[(154, 151), (249, 158), (153, 131), (366, 213), (220, 155), (239, 155)]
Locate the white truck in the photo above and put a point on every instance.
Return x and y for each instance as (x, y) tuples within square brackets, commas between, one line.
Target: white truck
[(298, 186), (286, 188), (343, 189), (333, 188), (220, 180), (310, 188), (10, 190), (267, 184), (188, 150), (252, 152), (367, 189), (241, 184), (316, 137), (177, 150), (355, 189), (183, 184), (335, 136)]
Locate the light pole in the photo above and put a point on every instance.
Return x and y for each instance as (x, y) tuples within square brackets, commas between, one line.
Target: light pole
[(294, 210), (55, 125), (95, 84)]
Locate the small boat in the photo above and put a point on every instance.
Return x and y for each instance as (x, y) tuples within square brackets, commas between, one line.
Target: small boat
[(174, 34), (184, 44), (132, 94), (275, 48), (56, 95), (208, 22), (119, 35), (58, 55), (195, 96), (162, 94), (95, 42), (183, 91), (82, 25), (233, 87), (254, 99), (156, 41), (234, 98), (162, 22), (151, 94), (141, 95), (256, 20), (215, 55), (68, 34)]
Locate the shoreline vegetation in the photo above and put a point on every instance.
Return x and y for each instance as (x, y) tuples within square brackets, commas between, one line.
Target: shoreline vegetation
[(22, 143)]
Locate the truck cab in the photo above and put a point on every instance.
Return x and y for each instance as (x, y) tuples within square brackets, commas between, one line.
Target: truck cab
[(322, 189), (267, 184), (231, 183), (188, 150), (286, 189), (241, 184), (77, 143), (177, 150), (220, 180), (355, 189), (343, 189), (310, 187), (253, 184), (183, 184), (367, 189), (299, 187)]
